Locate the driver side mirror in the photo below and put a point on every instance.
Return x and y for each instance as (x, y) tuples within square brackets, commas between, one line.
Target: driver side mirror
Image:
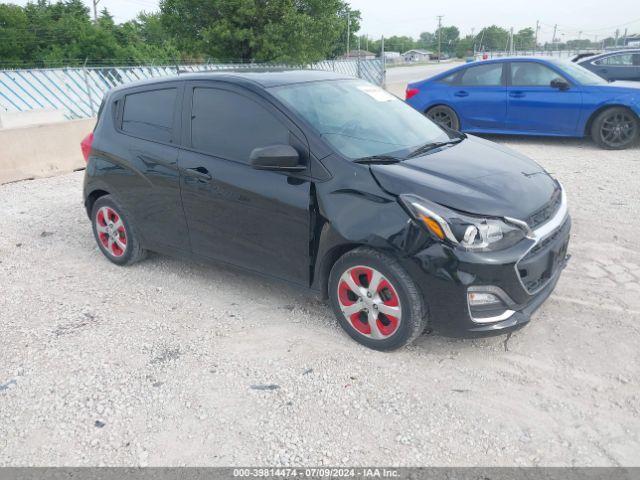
[(276, 157), (559, 83)]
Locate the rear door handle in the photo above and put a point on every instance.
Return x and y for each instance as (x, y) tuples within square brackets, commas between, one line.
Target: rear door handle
[(200, 173), (517, 94), (461, 93)]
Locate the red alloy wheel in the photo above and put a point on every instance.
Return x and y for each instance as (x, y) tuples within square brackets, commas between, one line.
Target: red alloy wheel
[(369, 302), (111, 231)]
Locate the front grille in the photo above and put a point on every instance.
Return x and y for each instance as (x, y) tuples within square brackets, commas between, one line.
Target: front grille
[(543, 244), (540, 263), (545, 213)]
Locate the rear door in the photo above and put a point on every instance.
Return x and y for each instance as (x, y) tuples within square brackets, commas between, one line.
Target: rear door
[(144, 158), (534, 106), (256, 219), (619, 66), (480, 97)]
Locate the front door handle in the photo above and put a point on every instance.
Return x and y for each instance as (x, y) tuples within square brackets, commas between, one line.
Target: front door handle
[(461, 93), (200, 173), (517, 94)]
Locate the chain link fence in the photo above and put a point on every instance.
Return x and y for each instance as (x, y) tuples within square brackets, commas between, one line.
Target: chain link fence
[(78, 91)]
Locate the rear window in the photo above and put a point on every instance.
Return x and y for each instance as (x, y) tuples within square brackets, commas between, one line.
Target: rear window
[(149, 115)]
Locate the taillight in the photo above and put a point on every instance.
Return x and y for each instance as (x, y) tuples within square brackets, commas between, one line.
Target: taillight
[(411, 92), (85, 145)]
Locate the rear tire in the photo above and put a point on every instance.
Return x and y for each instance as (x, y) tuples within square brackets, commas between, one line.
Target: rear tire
[(443, 115), (114, 233), (375, 300), (615, 128)]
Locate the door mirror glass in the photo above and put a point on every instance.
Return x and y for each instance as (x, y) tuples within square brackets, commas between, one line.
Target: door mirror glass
[(559, 83), (276, 157)]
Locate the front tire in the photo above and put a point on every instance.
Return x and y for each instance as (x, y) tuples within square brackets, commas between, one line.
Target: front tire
[(375, 300), (114, 233), (615, 129), (445, 116)]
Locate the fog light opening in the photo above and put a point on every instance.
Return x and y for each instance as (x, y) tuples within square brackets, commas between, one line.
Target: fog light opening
[(478, 299)]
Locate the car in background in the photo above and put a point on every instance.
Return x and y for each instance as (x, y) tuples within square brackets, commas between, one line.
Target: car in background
[(531, 96), (619, 65)]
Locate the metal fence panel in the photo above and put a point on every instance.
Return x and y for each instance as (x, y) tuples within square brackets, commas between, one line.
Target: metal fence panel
[(78, 91)]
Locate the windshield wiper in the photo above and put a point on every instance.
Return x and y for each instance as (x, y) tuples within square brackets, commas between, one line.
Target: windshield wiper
[(427, 147), (378, 159)]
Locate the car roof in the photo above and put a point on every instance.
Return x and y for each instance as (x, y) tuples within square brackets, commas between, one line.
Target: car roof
[(615, 52), (261, 78)]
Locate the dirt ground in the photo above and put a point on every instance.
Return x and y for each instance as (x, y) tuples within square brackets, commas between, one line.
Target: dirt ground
[(174, 363)]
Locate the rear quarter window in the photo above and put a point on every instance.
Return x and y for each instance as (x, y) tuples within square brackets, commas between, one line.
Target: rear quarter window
[(449, 79), (149, 114)]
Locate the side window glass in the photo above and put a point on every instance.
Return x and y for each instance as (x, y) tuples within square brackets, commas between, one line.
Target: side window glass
[(621, 60), (230, 125), (448, 79), (484, 75), (525, 74), (149, 115)]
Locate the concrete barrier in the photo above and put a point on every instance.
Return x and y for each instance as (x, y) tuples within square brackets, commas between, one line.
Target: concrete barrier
[(42, 150)]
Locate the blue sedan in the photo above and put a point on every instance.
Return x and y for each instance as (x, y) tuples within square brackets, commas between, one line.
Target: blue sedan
[(531, 96)]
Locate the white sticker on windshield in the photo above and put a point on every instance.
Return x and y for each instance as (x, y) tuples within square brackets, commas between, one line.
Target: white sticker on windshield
[(377, 93)]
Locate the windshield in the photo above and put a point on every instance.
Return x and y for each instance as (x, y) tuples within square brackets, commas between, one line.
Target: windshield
[(580, 74), (359, 119)]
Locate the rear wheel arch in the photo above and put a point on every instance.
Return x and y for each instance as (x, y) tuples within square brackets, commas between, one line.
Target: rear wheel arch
[(92, 198), (445, 105)]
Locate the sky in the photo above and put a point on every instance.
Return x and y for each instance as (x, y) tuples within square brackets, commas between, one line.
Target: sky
[(411, 17)]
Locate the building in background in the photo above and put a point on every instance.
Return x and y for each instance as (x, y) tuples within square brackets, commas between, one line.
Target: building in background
[(361, 54), (393, 57), (418, 55)]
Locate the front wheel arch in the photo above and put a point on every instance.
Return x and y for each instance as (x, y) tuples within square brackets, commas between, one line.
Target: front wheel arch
[(599, 110), (595, 126)]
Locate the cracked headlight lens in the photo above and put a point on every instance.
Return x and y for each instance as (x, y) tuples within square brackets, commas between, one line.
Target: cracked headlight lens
[(466, 231)]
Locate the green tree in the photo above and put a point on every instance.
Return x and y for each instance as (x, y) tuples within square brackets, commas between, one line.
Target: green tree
[(448, 38), (399, 44), (259, 30), (16, 40), (427, 41), (525, 39), (492, 38)]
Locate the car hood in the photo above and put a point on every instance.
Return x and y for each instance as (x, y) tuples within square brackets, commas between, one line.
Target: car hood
[(619, 86), (475, 176)]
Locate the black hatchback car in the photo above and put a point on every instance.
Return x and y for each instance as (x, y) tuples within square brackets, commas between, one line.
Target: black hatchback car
[(618, 65), (333, 184)]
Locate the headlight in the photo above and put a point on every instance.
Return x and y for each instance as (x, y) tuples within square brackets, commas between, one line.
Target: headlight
[(467, 231)]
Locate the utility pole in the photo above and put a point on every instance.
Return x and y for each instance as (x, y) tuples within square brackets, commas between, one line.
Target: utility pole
[(555, 30), (348, 32), (535, 44), (617, 35), (95, 10), (439, 37), (624, 38), (511, 40)]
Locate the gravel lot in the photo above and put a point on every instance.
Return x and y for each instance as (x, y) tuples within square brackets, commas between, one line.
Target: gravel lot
[(174, 363)]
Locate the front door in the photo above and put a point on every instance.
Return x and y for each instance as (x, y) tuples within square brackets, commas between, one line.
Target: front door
[(534, 106), (256, 219)]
